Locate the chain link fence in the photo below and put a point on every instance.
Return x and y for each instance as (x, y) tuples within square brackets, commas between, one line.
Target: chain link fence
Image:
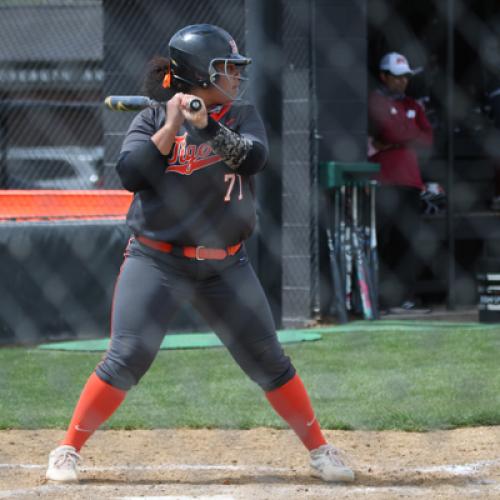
[(455, 50), (51, 80), (59, 59)]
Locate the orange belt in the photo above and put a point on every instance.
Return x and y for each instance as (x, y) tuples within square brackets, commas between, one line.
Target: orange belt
[(198, 253)]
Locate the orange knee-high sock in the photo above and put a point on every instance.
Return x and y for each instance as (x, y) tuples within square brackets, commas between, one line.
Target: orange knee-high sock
[(98, 401), (291, 402)]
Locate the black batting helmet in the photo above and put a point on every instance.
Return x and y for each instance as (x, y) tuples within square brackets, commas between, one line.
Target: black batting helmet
[(194, 51)]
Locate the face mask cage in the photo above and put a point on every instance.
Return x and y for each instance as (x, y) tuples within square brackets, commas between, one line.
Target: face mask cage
[(223, 72)]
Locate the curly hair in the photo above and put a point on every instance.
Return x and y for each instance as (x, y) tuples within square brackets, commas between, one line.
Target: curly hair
[(152, 84)]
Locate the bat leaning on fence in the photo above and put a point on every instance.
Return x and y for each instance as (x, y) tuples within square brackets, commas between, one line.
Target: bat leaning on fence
[(373, 260), (138, 102), (345, 242), (360, 265), (337, 281)]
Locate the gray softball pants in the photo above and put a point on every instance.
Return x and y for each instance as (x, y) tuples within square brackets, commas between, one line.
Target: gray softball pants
[(151, 287)]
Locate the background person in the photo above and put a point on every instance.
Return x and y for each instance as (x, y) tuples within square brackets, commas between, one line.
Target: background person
[(192, 173), (398, 127)]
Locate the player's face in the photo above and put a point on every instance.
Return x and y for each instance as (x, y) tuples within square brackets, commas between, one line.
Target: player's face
[(227, 84), (395, 83), (228, 79)]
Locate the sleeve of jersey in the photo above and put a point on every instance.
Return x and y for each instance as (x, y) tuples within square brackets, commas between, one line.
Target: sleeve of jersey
[(141, 168), (239, 151), (140, 165)]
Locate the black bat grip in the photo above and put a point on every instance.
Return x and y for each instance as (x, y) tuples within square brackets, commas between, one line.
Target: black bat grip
[(195, 105)]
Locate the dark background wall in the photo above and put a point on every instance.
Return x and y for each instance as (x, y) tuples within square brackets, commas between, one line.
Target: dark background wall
[(340, 48), (297, 169), (315, 61), (305, 55), (454, 90), (340, 37), (57, 280)]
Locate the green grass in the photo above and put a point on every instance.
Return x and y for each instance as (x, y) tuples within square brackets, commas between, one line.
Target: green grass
[(368, 378)]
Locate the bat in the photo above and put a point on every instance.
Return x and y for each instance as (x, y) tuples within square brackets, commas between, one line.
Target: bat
[(373, 243), (341, 236), (360, 265), (138, 102), (345, 226), (337, 281), (366, 221)]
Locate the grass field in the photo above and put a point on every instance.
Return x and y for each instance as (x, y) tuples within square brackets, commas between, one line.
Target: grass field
[(377, 376)]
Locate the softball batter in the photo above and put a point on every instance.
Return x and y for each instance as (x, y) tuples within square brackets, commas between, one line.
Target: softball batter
[(192, 175)]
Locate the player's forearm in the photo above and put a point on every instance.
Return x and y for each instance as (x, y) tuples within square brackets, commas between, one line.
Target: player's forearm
[(142, 167), (164, 139), (237, 151)]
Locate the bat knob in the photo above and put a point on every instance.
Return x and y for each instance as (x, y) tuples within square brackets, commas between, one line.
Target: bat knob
[(195, 105)]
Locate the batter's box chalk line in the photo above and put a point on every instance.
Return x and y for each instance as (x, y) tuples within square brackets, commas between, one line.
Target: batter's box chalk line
[(240, 491), (452, 469), (322, 490)]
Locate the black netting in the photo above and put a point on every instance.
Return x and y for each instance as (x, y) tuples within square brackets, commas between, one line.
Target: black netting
[(315, 65)]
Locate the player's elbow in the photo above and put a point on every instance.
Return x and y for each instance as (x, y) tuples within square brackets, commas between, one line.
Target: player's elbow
[(128, 177), (255, 160)]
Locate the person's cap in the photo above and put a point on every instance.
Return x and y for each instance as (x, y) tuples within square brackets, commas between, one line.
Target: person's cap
[(396, 64)]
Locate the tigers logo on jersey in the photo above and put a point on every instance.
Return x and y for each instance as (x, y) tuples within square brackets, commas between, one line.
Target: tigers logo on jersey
[(187, 159)]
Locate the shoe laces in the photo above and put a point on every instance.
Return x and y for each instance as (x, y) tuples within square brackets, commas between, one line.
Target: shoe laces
[(66, 458), (332, 454)]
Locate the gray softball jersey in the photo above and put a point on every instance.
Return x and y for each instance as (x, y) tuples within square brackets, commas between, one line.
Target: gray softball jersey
[(202, 192)]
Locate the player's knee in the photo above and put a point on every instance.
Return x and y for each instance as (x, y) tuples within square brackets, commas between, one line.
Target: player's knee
[(124, 368), (271, 370), (269, 382)]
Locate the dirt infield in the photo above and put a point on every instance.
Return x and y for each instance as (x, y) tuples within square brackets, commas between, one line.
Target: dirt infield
[(256, 464)]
